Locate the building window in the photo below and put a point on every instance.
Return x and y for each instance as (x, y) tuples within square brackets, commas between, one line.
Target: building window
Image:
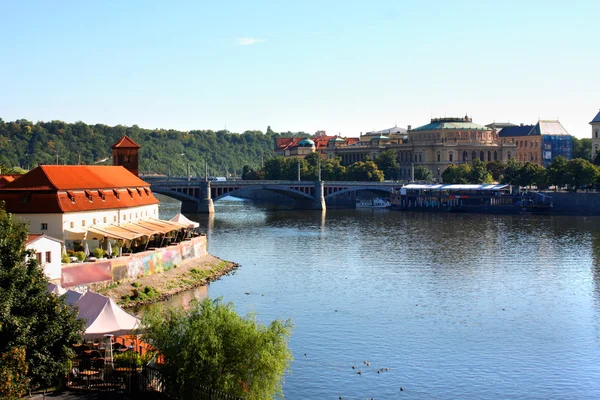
[(44, 226), (465, 155), (451, 157), (48, 257), (104, 219), (508, 155), (95, 221), (114, 218), (489, 156), (495, 156), (439, 157), (596, 133), (420, 159), (83, 223), (481, 156), (124, 217), (72, 224), (38, 256)]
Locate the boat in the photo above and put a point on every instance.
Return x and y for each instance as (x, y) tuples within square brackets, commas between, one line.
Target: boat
[(372, 203)]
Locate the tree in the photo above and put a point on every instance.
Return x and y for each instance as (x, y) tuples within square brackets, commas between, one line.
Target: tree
[(364, 171), (532, 174), (581, 173), (512, 173), (423, 173), (479, 173), (211, 345), (496, 168), (582, 148), (557, 172), (458, 174), (31, 318), (387, 162), (333, 170)]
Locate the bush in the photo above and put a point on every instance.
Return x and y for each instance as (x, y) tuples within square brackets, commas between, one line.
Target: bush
[(65, 259), (98, 252), (115, 252), (71, 253), (211, 345), (80, 255)]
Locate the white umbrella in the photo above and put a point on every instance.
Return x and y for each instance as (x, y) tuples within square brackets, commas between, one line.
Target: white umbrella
[(108, 248), (86, 250)]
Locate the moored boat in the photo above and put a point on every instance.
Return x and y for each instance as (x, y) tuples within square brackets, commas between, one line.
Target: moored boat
[(373, 203)]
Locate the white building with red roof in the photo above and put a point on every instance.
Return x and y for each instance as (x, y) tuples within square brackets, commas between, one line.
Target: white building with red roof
[(77, 202), (48, 252)]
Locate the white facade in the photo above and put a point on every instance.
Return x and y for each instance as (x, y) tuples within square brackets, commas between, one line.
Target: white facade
[(48, 252), (595, 137), (55, 224)]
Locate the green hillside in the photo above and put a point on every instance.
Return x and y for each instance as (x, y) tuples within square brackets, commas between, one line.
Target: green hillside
[(26, 144)]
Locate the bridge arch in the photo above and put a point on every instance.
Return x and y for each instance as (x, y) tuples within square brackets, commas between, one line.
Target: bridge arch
[(379, 189), (289, 192), (173, 194)]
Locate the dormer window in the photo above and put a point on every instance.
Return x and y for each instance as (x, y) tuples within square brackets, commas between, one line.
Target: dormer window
[(116, 192), (88, 194), (102, 195)]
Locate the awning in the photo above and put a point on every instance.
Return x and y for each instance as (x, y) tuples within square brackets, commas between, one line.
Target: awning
[(74, 234), (109, 232), (155, 227), (182, 219), (174, 224)]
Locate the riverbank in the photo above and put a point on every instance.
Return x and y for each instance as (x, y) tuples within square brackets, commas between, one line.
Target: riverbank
[(190, 274)]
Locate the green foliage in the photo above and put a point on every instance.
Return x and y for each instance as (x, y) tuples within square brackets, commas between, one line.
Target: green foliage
[(458, 174), (26, 144), (387, 162), (148, 293), (364, 171), (582, 173), (135, 284), (80, 255), (13, 374), (557, 172), (31, 318), (479, 173), (496, 168), (65, 259), (582, 148), (512, 173), (532, 174), (115, 252), (99, 253), (211, 345), (423, 174)]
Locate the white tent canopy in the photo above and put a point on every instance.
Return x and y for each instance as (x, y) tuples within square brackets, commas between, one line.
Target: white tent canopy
[(103, 316), (182, 219), (71, 296), (56, 289)]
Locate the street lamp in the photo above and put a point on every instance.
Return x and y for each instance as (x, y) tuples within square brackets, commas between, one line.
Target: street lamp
[(187, 160), (298, 170)]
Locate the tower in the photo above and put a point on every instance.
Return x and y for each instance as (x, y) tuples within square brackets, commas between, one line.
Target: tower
[(595, 135), (125, 153)]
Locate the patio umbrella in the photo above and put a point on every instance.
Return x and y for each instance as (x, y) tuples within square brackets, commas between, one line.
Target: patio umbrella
[(108, 248), (86, 250)]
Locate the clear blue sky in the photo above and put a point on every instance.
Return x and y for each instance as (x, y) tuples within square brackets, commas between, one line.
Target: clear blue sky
[(342, 66)]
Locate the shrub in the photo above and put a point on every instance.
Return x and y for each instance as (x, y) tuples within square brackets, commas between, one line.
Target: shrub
[(115, 252), (71, 253), (80, 255), (65, 259), (135, 284), (98, 252)]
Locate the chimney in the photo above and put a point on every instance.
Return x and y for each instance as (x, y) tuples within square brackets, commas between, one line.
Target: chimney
[(409, 126)]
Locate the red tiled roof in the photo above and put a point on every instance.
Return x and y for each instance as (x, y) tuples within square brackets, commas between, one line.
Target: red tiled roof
[(126, 143), (76, 177), (6, 179), (73, 188), (32, 236)]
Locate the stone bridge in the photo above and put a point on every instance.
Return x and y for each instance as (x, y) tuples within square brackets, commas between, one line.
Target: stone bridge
[(198, 196)]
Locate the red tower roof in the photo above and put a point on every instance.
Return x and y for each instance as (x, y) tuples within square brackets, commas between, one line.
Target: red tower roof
[(125, 143)]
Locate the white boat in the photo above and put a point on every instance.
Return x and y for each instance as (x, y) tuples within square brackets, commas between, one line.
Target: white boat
[(372, 203)]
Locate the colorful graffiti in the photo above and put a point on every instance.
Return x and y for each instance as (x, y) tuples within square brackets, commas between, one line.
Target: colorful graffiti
[(149, 262)]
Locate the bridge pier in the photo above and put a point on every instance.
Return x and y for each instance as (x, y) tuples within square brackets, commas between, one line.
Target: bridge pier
[(203, 204), (316, 203)]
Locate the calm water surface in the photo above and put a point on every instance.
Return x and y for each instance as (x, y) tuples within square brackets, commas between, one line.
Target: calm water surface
[(456, 306)]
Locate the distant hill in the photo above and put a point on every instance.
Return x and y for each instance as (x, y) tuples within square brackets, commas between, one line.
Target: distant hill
[(27, 144)]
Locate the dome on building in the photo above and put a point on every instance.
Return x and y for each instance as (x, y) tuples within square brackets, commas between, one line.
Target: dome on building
[(337, 139), (381, 137), (306, 143)]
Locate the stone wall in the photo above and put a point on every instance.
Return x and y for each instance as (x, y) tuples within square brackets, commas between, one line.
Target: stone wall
[(133, 266)]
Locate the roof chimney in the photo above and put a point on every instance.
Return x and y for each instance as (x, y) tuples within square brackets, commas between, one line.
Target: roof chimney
[(409, 127)]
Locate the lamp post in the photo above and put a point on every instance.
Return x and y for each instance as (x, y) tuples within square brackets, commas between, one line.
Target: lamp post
[(298, 170), (412, 172), (438, 177), (319, 165)]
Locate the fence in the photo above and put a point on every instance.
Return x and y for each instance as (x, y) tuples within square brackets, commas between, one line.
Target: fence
[(94, 374)]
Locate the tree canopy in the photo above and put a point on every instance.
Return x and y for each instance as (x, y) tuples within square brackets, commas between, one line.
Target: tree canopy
[(34, 323), (211, 345)]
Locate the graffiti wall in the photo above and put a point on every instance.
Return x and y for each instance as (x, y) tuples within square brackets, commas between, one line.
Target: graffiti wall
[(135, 265)]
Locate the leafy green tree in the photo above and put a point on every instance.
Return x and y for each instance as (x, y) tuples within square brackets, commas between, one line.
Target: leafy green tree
[(458, 174), (364, 171), (532, 174), (512, 173), (557, 172), (211, 345), (31, 318), (582, 148), (333, 170), (387, 162), (582, 173), (496, 168), (423, 174), (13, 374), (479, 173)]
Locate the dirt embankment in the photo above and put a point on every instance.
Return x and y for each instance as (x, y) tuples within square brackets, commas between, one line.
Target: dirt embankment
[(154, 288)]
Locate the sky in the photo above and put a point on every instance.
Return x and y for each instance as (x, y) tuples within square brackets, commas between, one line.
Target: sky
[(341, 66)]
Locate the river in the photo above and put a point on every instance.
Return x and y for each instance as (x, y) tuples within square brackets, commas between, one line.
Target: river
[(456, 306)]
